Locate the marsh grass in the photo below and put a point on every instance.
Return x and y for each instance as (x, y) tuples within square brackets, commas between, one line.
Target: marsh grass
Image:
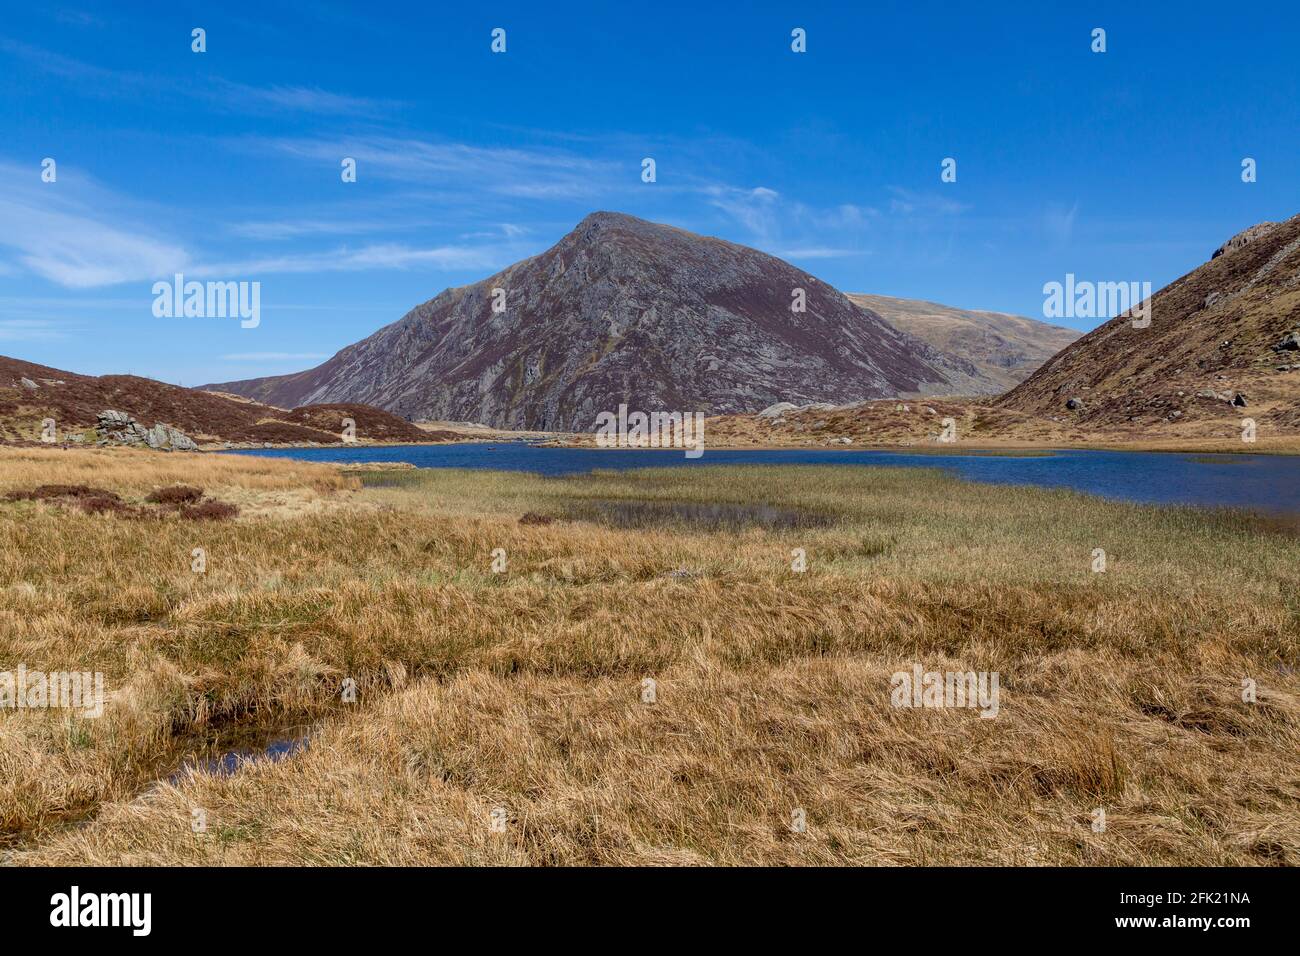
[(521, 690)]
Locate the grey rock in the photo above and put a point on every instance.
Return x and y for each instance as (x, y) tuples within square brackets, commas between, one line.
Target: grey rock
[(164, 436), (120, 428), (1243, 238), (1290, 343), (115, 427), (1074, 404), (28, 383), (778, 410)]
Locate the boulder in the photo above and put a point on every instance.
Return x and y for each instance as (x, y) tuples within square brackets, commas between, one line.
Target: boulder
[(1290, 343), (1074, 404), (164, 436), (28, 383), (119, 428), (778, 410)]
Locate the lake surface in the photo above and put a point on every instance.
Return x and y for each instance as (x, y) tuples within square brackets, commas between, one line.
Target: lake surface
[(1264, 482)]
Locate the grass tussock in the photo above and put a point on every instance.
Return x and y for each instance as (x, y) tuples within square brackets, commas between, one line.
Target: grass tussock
[(524, 693)]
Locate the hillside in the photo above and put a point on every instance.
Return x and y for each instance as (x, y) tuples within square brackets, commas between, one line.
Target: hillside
[(1004, 348), (1223, 345), (625, 311), (31, 393)]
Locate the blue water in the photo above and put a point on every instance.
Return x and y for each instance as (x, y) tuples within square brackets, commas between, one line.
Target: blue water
[(1264, 482), (231, 762)]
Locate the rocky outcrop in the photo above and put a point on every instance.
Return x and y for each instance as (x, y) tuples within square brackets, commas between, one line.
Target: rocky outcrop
[(1243, 238), (778, 410), (621, 311), (119, 428)]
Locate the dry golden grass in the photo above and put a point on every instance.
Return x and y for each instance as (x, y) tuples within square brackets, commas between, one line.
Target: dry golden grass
[(522, 690), (138, 471)]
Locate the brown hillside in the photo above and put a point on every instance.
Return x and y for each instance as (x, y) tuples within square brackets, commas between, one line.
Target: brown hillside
[(1212, 341), (30, 393), (1005, 349)]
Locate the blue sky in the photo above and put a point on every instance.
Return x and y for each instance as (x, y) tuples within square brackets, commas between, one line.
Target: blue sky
[(226, 165)]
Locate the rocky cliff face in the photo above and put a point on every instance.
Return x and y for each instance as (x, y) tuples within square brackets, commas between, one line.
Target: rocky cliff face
[(622, 311)]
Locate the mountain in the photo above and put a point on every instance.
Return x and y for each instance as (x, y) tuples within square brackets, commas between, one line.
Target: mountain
[(624, 311), (1223, 344), (31, 393), (1004, 348)]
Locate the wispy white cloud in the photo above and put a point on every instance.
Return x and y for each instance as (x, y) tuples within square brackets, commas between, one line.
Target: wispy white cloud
[(817, 252), (221, 93), (908, 202), (301, 99), (755, 209), (80, 235), (377, 256), (270, 230), (507, 230), (33, 330), (60, 231), (520, 173), (1058, 222), (77, 18)]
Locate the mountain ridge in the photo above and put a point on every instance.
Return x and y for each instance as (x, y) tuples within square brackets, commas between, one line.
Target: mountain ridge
[(625, 311)]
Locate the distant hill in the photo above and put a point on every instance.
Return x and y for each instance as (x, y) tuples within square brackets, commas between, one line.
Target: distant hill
[(1223, 344), (30, 393), (626, 311), (1004, 348)]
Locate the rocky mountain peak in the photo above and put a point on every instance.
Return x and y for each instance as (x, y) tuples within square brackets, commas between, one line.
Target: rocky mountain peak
[(622, 311)]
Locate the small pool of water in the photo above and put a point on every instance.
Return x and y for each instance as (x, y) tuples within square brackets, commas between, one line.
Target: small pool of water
[(215, 759)]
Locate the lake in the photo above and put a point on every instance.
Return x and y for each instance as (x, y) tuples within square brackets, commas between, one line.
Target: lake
[(1264, 482)]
